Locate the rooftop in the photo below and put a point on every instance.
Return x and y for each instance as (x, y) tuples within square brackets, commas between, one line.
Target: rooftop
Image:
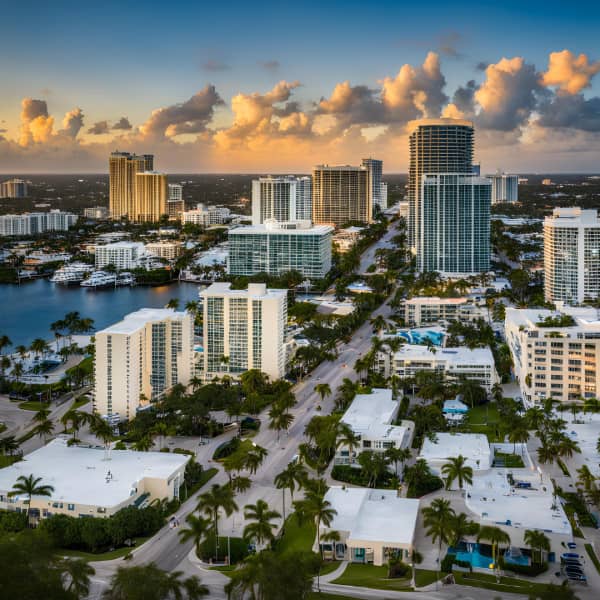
[(286, 227), (138, 319), (79, 474), (368, 410), (586, 318), (255, 290), (374, 515), (435, 300), (473, 446), (460, 355)]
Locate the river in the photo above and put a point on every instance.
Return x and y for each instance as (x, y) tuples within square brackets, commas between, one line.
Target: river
[(26, 311)]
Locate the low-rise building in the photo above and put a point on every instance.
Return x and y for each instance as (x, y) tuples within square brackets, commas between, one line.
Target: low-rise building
[(556, 354), (373, 524), (422, 310), (162, 249), (204, 216), (86, 484), (33, 223), (96, 212), (344, 239), (476, 364), (474, 447), (122, 255), (371, 417), (13, 188), (39, 257)]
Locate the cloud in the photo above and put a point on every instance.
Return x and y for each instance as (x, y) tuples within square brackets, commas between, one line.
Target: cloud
[(191, 116), (353, 104), (448, 43), (270, 65), (463, 102), (72, 123), (572, 111), (481, 66), (507, 97), (123, 123), (99, 128), (36, 124), (570, 73), (214, 66)]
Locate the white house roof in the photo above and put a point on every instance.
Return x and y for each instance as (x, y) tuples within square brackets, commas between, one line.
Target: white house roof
[(374, 515), (473, 446), (459, 355), (370, 410), (79, 474)]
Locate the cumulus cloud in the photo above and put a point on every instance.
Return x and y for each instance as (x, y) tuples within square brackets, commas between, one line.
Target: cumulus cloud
[(572, 111), (72, 123), (36, 124), (569, 73), (123, 123), (99, 128), (353, 104), (191, 116), (463, 102), (507, 97)]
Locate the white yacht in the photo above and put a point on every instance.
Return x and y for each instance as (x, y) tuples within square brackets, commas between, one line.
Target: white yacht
[(125, 278), (71, 273), (99, 279)]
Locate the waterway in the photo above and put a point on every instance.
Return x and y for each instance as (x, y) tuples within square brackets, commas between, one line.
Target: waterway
[(26, 311)]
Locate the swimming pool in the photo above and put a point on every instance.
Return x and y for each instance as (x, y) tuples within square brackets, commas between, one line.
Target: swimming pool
[(482, 559), (416, 336)]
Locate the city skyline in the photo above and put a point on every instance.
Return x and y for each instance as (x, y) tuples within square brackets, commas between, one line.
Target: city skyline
[(234, 100)]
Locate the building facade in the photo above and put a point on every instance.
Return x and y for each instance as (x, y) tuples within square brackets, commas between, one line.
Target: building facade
[(205, 216), (243, 330), (13, 188), (284, 198), (572, 255), (453, 224), (277, 247), (168, 250), (341, 194), (376, 168), (150, 199), (436, 146), (425, 310), (505, 187), (140, 358), (96, 212), (122, 255), (555, 354), (175, 202), (33, 223), (122, 168)]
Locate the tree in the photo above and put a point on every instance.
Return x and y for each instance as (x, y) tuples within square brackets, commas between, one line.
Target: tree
[(398, 455), (30, 486), (537, 540), (78, 574), (293, 475), (495, 536), (374, 465), (348, 439), (260, 530), (519, 281), (279, 419), (9, 445), (197, 530), (5, 342), (173, 303), (44, 429), (323, 390), (103, 431), (254, 458), (148, 582), (211, 502), (457, 468), (437, 518), (39, 347), (461, 527)]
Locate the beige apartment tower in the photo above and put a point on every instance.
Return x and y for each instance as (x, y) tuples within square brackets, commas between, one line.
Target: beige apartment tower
[(139, 359), (150, 200), (341, 194), (122, 168)]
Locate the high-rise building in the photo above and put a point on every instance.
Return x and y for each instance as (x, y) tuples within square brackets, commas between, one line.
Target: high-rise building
[(123, 167), (175, 202), (150, 201), (436, 146), (278, 247), (572, 255), (32, 223), (244, 329), (13, 188), (285, 198), (453, 223), (341, 194), (505, 187), (384, 195), (376, 168), (142, 356)]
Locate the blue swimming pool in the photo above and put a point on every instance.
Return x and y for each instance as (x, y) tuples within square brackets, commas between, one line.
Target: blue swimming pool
[(420, 337), (475, 555)]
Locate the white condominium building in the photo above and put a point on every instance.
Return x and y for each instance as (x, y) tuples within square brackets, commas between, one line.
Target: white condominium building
[(244, 329), (505, 187), (175, 192), (206, 215), (371, 417), (423, 310), (96, 212), (286, 198), (122, 255), (278, 247), (476, 364), (142, 356), (168, 250), (555, 354), (572, 255), (13, 188), (32, 223)]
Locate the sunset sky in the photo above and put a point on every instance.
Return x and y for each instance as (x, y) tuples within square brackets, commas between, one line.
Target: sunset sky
[(278, 87)]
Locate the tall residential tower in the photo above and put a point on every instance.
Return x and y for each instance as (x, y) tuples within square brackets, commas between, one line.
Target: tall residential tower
[(123, 167), (285, 198)]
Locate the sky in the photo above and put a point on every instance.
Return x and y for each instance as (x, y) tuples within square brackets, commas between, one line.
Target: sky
[(278, 87)]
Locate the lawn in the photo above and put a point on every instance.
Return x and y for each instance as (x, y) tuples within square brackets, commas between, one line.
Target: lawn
[(206, 476), (323, 596), (329, 567), (510, 461), (6, 461), (507, 584), (296, 537), (590, 550), (34, 405), (89, 556), (424, 577), (81, 401), (371, 576), (483, 419)]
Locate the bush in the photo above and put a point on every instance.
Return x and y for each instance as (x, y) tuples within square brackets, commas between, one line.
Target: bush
[(12, 521), (424, 486), (447, 562), (227, 449), (237, 546), (398, 569), (531, 570), (357, 476)]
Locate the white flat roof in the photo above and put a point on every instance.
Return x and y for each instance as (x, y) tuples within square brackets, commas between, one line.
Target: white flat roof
[(586, 435), (276, 230), (374, 515), (78, 474), (255, 290), (461, 354), (435, 300), (369, 410), (472, 446), (138, 319)]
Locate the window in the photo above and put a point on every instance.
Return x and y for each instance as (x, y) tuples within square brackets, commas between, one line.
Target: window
[(70, 506)]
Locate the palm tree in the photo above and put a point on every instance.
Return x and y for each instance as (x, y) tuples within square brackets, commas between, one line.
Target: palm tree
[(197, 530), (44, 429), (461, 527), (518, 435), (437, 518), (398, 455), (293, 475), (261, 528), (78, 574), (30, 486), (144, 444), (9, 445), (347, 439), (21, 351), (323, 390), (457, 468), (546, 453), (172, 303), (567, 446), (586, 478), (495, 536), (211, 502), (254, 458), (103, 431), (17, 371), (5, 342), (39, 347), (537, 540), (279, 419), (379, 323)]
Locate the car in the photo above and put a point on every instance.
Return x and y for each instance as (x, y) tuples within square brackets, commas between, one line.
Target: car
[(574, 571), (572, 562), (569, 555), (571, 545)]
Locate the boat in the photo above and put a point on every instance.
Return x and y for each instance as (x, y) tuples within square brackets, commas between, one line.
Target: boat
[(125, 278), (99, 279), (70, 274)]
